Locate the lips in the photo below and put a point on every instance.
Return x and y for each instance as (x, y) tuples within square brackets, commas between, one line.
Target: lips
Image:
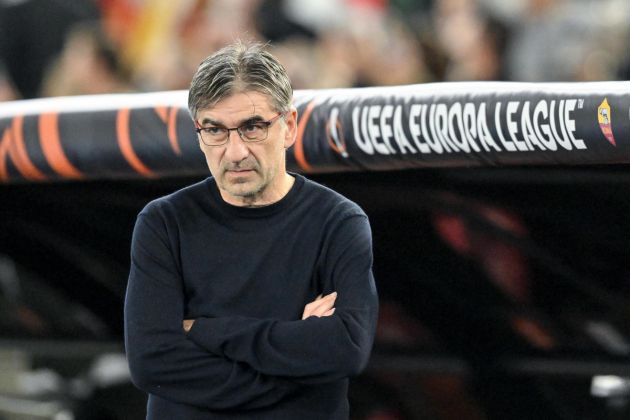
[(240, 171), (235, 173)]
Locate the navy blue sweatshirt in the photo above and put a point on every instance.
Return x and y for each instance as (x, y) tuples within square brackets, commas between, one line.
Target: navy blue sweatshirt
[(245, 275)]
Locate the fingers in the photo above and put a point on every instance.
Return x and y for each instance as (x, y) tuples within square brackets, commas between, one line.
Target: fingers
[(324, 303), (321, 306), (187, 324)]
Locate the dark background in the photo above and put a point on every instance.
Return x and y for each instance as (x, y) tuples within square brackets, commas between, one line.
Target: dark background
[(499, 288)]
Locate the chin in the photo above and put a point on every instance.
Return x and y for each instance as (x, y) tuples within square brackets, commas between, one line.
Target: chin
[(245, 190)]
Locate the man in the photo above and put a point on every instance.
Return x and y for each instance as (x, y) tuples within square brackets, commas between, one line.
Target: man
[(250, 294)]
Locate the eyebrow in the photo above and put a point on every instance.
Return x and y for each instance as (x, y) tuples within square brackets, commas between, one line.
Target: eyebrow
[(250, 120)]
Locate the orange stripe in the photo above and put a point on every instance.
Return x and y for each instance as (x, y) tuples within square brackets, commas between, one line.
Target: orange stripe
[(299, 141), (172, 131), (331, 142), (4, 151), (162, 113), (124, 142), (18, 151), (51, 146)]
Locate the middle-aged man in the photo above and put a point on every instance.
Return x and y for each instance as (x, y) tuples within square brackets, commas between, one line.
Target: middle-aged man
[(250, 294)]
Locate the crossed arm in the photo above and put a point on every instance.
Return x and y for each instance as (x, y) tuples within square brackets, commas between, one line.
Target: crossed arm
[(322, 306), (264, 359), (162, 360)]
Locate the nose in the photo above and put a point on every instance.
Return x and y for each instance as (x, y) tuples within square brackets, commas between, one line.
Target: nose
[(235, 150)]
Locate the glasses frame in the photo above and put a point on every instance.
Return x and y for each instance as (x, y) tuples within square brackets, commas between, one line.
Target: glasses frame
[(267, 124)]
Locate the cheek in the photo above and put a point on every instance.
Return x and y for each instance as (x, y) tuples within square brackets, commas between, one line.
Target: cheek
[(275, 153), (212, 159), (269, 161)]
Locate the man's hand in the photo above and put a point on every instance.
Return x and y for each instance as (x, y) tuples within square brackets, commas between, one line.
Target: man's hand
[(322, 306), (188, 323)]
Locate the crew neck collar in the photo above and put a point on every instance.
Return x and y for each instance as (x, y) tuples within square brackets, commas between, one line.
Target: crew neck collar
[(255, 212)]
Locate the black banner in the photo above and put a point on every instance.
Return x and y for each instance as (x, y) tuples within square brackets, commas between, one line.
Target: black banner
[(369, 129)]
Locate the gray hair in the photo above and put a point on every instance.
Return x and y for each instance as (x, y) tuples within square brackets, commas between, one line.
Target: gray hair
[(238, 68)]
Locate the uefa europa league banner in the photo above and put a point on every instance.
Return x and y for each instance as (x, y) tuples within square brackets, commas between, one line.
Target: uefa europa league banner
[(366, 129)]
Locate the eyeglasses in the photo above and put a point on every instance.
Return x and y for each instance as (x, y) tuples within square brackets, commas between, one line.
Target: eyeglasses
[(249, 132)]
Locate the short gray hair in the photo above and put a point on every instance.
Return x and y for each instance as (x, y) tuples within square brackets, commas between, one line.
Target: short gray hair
[(240, 67)]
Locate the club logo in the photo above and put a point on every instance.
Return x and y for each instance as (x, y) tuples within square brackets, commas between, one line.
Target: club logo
[(604, 117)]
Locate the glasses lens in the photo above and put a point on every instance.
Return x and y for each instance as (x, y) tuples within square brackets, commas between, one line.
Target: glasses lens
[(253, 132), (213, 136)]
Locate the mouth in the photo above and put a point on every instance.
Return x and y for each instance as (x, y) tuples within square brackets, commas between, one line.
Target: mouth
[(239, 172)]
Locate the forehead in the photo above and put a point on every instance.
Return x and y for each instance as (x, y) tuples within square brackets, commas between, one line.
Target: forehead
[(237, 107)]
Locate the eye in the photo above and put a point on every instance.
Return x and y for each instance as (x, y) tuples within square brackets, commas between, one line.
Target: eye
[(213, 131), (252, 128)]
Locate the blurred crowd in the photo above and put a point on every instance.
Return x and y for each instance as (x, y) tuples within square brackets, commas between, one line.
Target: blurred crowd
[(73, 47)]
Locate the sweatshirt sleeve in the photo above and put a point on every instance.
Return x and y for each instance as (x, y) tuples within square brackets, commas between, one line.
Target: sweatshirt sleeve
[(161, 359), (313, 350)]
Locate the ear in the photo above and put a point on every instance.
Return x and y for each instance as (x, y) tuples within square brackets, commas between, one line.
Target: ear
[(291, 122), (197, 135)]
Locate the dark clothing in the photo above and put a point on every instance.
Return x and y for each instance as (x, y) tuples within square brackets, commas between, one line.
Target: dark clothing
[(245, 275)]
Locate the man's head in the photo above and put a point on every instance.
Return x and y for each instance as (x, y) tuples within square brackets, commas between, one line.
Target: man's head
[(243, 86), (239, 68)]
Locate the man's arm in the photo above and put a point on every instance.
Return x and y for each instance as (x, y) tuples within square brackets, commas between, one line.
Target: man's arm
[(316, 349), (162, 360), (321, 306)]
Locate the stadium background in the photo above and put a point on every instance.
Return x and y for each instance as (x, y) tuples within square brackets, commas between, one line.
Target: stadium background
[(60, 360)]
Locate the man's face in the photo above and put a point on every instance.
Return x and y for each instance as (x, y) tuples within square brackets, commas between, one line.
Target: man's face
[(248, 173)]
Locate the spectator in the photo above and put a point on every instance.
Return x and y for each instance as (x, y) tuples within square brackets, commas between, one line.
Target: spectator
[(32, 33), (7, 90), (88, 65)]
